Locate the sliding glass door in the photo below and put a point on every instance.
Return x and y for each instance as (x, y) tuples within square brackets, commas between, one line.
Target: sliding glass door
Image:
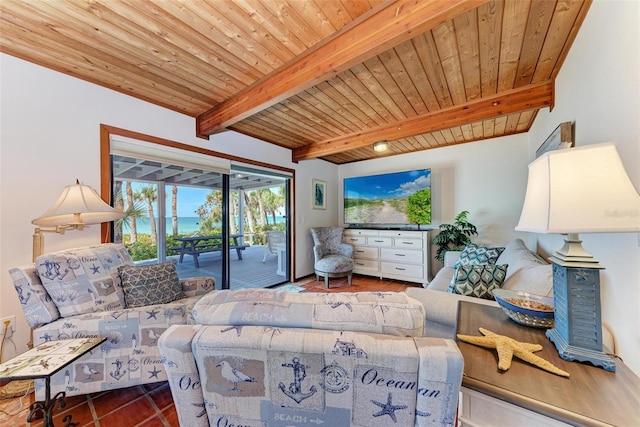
[(233, 226)]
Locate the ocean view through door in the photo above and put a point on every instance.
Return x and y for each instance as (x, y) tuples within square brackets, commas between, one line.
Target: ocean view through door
[(177, 212)]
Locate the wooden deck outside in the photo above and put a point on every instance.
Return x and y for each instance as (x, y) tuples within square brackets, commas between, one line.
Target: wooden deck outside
[(250, 272)]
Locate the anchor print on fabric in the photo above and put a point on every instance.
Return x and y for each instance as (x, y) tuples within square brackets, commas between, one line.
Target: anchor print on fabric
[(53, 270), (23, 298), (388, 408), (119, 372), (295, 388), (233, 375)]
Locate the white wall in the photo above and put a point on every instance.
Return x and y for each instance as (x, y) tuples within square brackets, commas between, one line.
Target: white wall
[(487, 178), (49, 136), (599, 89)]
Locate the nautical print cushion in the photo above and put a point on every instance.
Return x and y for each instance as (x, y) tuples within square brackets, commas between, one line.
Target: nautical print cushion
[(478, 280), (150, 284), (84, 280), (37, 304), (473, 254)]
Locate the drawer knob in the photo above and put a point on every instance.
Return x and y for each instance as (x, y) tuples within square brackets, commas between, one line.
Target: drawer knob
[(400, 254)]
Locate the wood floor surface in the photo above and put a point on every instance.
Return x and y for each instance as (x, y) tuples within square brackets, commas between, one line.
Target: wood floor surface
[(151, 405)]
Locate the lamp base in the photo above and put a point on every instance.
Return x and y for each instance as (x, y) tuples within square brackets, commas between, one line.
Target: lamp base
[(572, 353), (577, 331)]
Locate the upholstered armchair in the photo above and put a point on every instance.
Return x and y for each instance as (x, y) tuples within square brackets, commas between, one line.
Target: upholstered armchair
[(332, 257)]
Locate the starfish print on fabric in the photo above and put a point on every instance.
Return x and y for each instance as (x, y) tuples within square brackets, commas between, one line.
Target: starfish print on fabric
[(388, 408), (508, 347), (152, 314), (95, 269), (154, 373)]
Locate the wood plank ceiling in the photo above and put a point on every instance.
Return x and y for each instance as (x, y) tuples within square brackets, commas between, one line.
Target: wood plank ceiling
[(325, 78)]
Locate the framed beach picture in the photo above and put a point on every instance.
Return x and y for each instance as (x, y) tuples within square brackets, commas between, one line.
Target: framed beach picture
[(319, 194), (561, 137)]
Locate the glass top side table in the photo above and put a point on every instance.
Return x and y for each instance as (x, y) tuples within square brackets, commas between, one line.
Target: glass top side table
[(42, 362)]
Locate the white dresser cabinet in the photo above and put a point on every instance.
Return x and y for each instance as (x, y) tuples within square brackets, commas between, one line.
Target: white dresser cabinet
[(393, 254)]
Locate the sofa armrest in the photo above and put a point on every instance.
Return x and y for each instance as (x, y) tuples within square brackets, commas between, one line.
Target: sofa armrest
[(451, 257), (441, 310), (180, 364)]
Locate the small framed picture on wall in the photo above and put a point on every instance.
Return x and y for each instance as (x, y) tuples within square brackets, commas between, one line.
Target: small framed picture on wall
[(319, 194), (561, 137)]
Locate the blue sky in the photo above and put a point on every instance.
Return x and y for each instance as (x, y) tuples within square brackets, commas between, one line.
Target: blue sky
[(189, 199), (387, 186)]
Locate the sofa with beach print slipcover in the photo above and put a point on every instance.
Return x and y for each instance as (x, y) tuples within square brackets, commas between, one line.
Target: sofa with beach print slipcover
[(266, 358), (97, 291)]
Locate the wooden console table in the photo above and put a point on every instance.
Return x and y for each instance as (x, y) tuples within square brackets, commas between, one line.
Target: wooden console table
[(526, 395)]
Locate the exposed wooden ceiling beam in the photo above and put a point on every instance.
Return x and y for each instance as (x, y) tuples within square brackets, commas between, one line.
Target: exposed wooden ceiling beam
[(388, 25), (517, 100)]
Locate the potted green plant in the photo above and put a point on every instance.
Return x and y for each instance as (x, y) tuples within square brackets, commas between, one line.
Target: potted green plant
[(454, 237)]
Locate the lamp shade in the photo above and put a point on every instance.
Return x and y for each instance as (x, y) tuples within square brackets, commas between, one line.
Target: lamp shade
[(78, 205), (580, 190)]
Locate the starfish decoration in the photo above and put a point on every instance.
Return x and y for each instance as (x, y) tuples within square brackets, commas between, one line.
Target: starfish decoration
[(508, 347)]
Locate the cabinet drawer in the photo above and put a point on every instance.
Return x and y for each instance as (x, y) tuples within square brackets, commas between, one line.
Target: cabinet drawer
[(401, 255), (365, 252), (401, 269), (353, 232), (379, 241), (355, 240), (400, 242), (365, 264)]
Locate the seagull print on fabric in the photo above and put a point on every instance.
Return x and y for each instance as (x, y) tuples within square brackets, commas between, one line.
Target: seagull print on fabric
[(233, 375), (89, 371)]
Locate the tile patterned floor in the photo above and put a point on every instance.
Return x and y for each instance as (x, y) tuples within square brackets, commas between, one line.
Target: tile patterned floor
[(151, 405)]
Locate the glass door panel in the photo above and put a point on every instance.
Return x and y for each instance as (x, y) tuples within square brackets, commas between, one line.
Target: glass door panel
[(258, 214)]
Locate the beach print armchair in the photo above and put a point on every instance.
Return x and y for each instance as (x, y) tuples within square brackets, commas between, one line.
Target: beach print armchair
[(333, 258)]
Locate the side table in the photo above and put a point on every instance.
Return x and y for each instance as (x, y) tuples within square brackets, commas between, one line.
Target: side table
[(42, 362), (525, 394)]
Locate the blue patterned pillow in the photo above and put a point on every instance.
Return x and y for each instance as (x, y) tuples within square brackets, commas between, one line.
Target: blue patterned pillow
[(478, 255), (478, 280), (150, 284)]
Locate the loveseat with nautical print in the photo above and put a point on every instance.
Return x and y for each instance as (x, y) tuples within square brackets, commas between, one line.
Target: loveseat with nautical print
[(274, 358), (97, 291)]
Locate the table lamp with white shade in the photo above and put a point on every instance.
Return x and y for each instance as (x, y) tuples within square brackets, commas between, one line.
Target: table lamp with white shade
[(79, 205), (572, 191)]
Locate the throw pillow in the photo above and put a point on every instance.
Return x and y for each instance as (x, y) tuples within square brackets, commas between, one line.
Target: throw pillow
[(150, 284), (478, 255), (84, 280), (478, 280)]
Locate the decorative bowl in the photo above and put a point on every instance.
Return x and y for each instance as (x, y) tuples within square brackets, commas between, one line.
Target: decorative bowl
[(527, 309)]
